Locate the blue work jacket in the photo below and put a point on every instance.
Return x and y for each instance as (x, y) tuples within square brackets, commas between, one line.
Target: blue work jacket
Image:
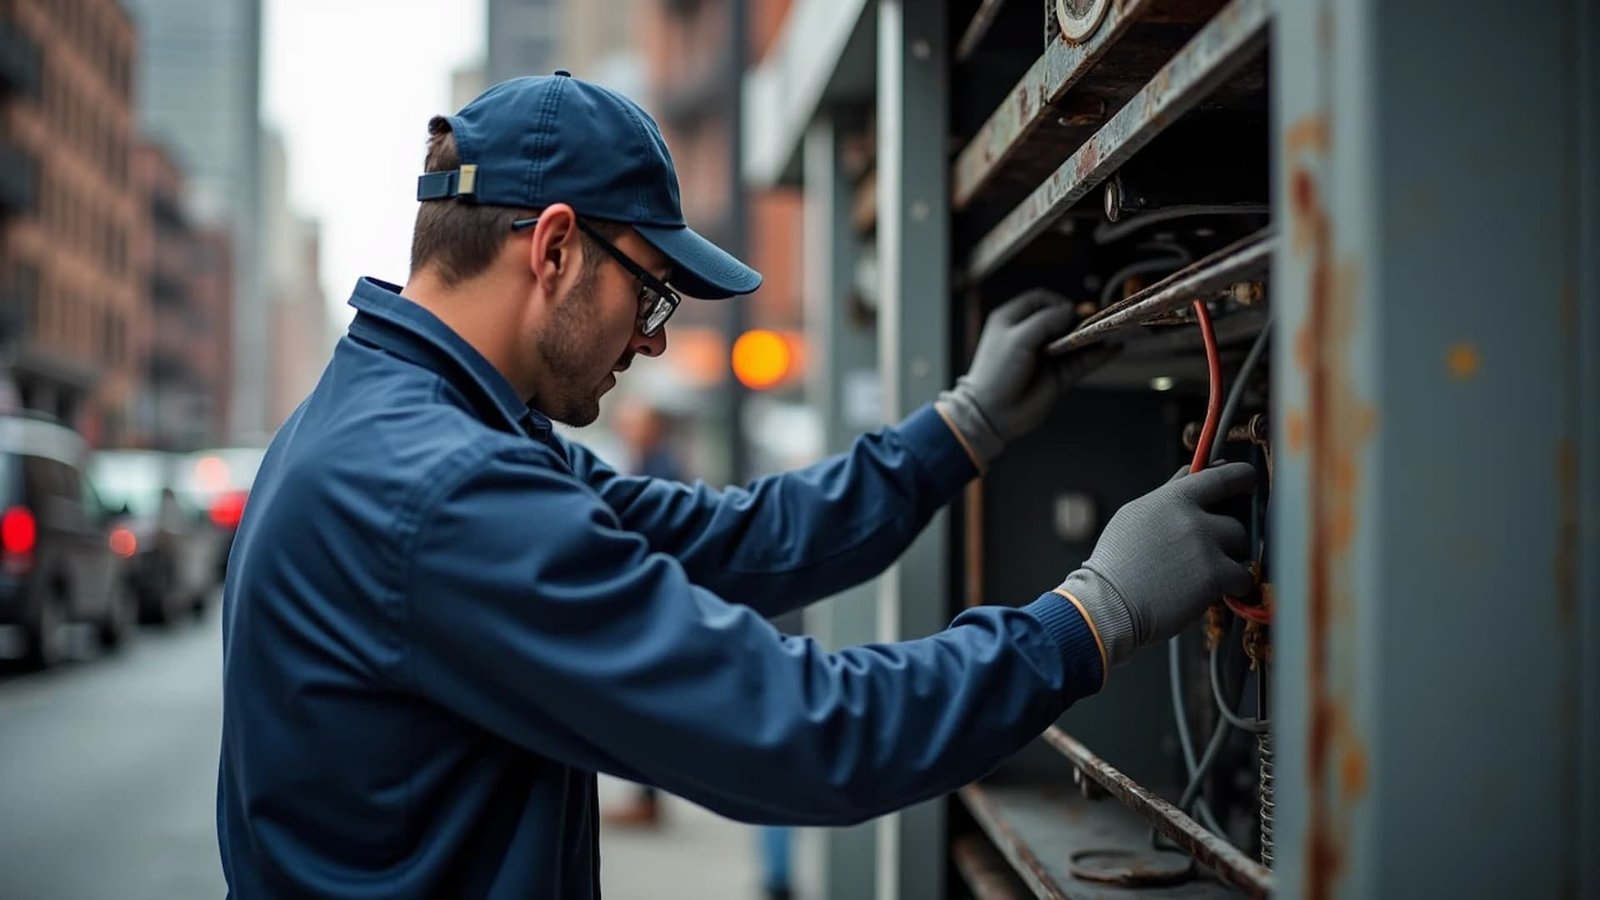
[(441, 620)]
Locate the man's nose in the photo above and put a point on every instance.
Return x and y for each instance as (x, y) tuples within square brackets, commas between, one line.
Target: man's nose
[(650, 346)]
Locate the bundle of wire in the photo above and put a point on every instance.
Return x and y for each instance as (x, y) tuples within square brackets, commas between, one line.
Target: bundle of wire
[(1219, 415)]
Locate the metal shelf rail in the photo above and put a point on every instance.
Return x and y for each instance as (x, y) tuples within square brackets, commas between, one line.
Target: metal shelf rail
[(1245, 260), (1226, 43), (1222, 857), (1047, 81)]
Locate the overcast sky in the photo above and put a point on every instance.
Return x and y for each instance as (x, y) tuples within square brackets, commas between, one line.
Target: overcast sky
[(351, 84)]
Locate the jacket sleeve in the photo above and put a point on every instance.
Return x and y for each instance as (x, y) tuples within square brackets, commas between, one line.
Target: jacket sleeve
[(564, 633), (789, 540)]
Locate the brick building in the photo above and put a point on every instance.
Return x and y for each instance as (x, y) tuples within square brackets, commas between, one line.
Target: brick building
[(694, 68), (74, 304), (186, 351)]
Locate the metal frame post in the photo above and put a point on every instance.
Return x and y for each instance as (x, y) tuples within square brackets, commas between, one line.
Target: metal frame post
[(1588, 314), (1427, 390), (913, 342), (839, 350)]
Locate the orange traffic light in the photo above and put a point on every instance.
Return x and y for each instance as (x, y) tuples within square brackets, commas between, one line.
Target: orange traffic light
[(761, 359)]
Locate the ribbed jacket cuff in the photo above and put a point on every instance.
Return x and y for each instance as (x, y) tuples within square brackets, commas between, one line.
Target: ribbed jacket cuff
[(1080, 650), (1106, 610), (939, 449)]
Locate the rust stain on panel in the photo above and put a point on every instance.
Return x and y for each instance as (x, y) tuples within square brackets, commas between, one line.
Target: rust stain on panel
[(1295, 431), (1339, 423), (1024, 104), (1463, 360)]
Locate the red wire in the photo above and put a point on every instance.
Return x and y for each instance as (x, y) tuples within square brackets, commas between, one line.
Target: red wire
[(1208, 434), (1257, 614)]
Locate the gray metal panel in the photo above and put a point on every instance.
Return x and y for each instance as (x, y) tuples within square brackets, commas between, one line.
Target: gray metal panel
[(1427, 396), (838, 347), (913, 342), (1588, 312)]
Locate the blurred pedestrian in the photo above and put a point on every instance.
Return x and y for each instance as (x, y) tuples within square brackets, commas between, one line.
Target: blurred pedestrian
[(441, 619), (643, 430)]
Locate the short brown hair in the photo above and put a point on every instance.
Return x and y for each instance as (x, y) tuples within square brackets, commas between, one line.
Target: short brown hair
[(460, 239)]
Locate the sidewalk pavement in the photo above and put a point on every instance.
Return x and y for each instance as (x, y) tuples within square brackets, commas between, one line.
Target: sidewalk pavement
[(692, 855)]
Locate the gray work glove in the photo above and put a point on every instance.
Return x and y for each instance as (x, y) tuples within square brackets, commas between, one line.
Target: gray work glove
[(1163, 559), (1013, 385)]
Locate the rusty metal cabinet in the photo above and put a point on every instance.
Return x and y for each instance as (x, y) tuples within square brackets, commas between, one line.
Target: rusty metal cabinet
[(1405, 200)]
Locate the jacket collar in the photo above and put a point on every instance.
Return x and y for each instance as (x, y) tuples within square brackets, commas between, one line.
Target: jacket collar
[(389, 320)]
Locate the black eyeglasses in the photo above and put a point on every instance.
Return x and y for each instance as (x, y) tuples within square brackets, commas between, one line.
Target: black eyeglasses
[(657, 301)]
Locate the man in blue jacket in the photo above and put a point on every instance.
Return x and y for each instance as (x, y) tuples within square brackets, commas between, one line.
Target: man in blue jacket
[(441, 619)]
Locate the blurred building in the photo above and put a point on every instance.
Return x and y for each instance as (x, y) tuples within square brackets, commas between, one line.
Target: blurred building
[(199, 89), (599, 43), (211, 295), (302, 332), (695, 52), (74, 307), (524, 37), (186, 340)]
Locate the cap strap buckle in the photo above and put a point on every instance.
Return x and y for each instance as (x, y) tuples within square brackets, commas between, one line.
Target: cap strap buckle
[(462, 182)]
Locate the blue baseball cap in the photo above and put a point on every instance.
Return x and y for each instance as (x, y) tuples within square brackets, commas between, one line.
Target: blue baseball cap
[(531, 142)]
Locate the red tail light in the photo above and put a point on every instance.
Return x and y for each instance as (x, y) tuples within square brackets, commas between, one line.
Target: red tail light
[(18, 531), (124, 543), (228, 509)]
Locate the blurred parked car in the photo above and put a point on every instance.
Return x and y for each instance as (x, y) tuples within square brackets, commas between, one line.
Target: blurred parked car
[(218, 481), (61, 556), (172, 567)]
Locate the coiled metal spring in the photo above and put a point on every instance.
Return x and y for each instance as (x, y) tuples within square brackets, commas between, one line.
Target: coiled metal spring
[(1264, 751)]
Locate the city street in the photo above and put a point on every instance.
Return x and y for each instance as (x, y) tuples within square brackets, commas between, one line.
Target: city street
[(108, 770), (108, 785)]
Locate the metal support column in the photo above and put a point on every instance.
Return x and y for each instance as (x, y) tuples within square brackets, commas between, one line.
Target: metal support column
[(1588, 315), (913, 343), (1427, 544), (842, 352)]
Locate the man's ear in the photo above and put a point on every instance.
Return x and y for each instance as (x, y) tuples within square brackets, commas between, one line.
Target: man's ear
[(555, 253)]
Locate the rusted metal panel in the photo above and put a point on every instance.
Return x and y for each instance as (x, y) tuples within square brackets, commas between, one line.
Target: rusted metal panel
[(1403, 360), (1230, 864), (1244, 261), (1030, 102), (1221, 48), (1069, 92)]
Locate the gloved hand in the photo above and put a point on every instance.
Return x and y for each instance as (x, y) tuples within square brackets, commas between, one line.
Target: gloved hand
[(1164, 558), (1012, 384)]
